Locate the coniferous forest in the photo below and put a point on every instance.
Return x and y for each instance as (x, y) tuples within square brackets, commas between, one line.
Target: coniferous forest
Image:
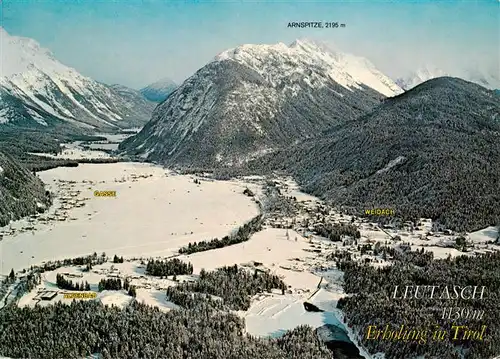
[(140, 331), (173, 266), (233, 285), (370, 302)]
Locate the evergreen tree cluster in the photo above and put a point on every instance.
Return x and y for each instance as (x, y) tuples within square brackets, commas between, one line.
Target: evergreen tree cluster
[(242, 234), (131, 290), (32, 280), (248, 192), (110, 284), (12, 276), (68, 284), (335, 232), (370, 302), (26, 283), (141, 331), (88, 261), (117, 259), (234, 285), (173, 266)]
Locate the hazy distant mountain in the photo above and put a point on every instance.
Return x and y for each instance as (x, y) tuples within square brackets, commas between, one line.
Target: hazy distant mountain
[(21, 192), (37, 90), (159, 90), (254, 98), (134, 99), (483, 78), (419, 76), (431, 152)]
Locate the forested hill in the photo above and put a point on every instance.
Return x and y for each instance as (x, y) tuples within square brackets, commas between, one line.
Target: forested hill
[(431, 152), (21, 192)]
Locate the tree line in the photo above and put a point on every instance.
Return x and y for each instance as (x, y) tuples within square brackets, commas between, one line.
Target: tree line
[(88, 261), (175, 266), (68, 284), (110, 284), (241, 235), (117, 284)]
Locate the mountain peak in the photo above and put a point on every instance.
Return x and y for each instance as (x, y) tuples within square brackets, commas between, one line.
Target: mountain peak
[(254, 98), (163, 82), (159, 90), (306, 43), (279, 62), (38, 88), (20, 54)]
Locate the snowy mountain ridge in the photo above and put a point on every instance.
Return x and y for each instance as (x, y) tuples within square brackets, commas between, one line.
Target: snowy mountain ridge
[(422, 74), (279, 62), (428, 72), (36, 87)]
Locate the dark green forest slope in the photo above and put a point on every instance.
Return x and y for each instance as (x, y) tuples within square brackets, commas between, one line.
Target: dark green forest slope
[(371, 302), (140, 331), (431, 152), (21, 192)]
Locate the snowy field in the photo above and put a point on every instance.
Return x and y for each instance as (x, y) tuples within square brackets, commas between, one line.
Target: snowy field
[(271, 248), (274, 315), (153, 214)]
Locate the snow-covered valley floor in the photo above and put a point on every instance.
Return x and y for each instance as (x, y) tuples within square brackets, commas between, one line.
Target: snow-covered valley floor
[(154, 213)]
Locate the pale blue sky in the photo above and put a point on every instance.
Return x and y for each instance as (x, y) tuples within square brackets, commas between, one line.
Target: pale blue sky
[(136, 42)]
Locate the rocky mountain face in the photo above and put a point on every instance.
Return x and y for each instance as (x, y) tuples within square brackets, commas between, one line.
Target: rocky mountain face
[(255, 98), (432, 152), (36, 90), (159, 90), (135, 101)]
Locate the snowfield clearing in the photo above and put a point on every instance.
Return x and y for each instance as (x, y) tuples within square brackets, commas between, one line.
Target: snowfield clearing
[(271, 249), (153, 214), (274, 315)]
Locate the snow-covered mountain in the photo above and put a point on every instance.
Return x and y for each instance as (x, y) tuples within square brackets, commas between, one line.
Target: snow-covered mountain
[(38, 90), (159, 90), (428, 72), (280, 62), (254, 98), (422, 74), (489, 79)]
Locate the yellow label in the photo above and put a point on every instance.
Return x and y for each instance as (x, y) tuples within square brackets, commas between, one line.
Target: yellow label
[(80, 295), (380, 212), (104, 193)]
